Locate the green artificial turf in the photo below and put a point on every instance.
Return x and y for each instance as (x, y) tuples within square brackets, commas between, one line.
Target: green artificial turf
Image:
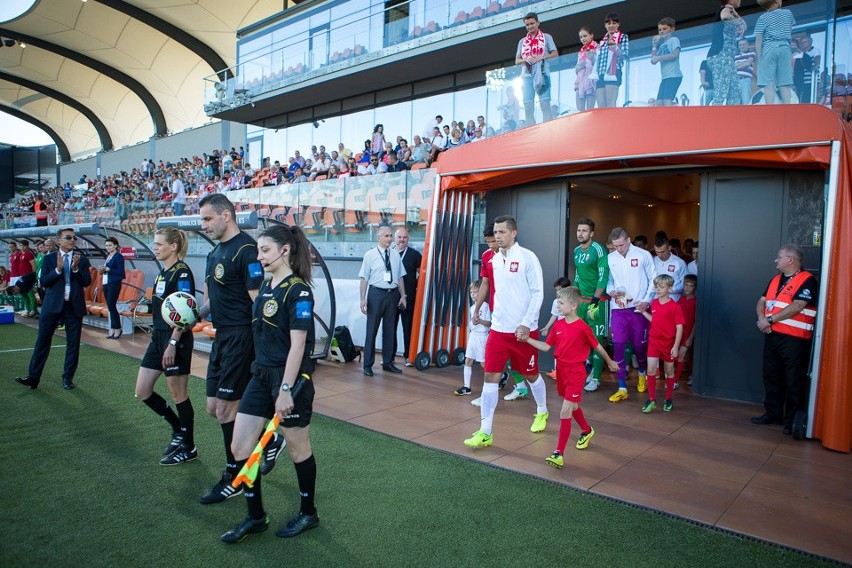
[(82, 487)]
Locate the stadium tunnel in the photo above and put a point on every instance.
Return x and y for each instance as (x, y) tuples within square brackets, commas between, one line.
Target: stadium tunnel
[(761, 185)]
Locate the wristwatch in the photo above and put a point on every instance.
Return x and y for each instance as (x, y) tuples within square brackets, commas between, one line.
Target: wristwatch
[(173, 342), (770, 319), (285, 387)]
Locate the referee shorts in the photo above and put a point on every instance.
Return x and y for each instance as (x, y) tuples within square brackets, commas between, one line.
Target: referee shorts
[(153, 358), (229, 366), (262, 392)]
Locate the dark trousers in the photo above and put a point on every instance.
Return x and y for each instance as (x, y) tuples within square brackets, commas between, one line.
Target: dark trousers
[(407, 317), (111, 291), (47, 324), (381, 309), (785, 375)]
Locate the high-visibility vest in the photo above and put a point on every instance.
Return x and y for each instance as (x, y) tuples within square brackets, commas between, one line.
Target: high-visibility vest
[(40, 209), (800, 325)]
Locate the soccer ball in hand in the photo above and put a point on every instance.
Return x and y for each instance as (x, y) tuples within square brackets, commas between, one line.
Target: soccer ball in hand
[(180, 310)]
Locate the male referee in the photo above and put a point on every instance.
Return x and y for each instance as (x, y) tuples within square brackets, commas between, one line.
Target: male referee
[(233, 277)]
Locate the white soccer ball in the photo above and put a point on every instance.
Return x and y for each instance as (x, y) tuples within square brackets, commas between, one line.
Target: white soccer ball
[(180, 310)]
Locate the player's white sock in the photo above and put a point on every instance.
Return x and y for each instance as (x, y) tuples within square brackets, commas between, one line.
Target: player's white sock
[(490, 395), (539, 392), (468, 371)]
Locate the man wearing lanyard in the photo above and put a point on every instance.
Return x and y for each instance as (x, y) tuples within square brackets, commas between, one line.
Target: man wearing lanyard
[(382, 295), (64, 276)]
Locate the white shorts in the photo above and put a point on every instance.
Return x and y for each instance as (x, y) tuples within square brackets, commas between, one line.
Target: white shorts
[(476, 346)]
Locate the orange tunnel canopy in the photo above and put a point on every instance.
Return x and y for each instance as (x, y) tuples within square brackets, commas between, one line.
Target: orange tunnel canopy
[(789, 137)]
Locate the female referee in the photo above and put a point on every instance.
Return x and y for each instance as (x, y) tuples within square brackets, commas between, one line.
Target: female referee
[(170, 350), (281, 382)]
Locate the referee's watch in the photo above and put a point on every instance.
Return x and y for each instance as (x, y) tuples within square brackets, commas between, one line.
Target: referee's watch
[(285, 387), (173, 342)]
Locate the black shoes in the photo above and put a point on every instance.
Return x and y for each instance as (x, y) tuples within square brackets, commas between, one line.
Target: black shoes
[(246, 527), (765, 419), (788, 429), (27, 382), (221, 492), (368, 371), (174, 445), (298, 524), (391, 368), (179, 456), (68, 385), (271, 453)]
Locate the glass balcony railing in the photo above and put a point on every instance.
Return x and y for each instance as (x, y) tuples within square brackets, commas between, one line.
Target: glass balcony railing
[(344, 210), (819, 76), (337, 34)]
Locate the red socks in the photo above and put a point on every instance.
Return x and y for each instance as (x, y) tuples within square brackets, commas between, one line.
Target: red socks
[(670, 381), (678, 370), (652, 387), (581, 420), (564, 433)]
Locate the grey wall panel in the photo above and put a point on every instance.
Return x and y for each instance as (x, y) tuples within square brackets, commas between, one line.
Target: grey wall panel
[(125, 159), (740, 234), (74, 171)]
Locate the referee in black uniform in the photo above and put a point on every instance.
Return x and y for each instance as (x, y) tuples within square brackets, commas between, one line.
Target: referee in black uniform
[(281, 382), (382, 296), (233, 277), (170, 350)]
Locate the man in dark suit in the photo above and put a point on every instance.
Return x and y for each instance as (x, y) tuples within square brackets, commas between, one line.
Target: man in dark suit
[(411, 261), (64, 276)]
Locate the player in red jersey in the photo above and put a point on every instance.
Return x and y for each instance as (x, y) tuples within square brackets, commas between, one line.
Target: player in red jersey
[(664, 340)]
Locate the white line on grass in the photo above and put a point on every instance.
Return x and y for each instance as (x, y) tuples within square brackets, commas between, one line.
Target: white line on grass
[(29, 349)]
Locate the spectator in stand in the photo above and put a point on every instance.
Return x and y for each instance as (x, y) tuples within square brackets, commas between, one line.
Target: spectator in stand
[(368, 149), (344, 151), (665, 50), (314, 153), (404, 152), (437, 140), (299, 159), (511, 109), (477, 135), (533, 53), (744, 63), (480, 122), (376, 166), (613, 51), (428, 132), (333, 172), (806, 60), (729, 27), (291, 168), (377, 141), (345, 172), (321, 166), (363, 162), (179, 191), (337, 159), (469, 131), (420, 150), (773, 36), (309, 163), (398, 144), (394, 165), (298, 176), (585, 84), (387, 151)]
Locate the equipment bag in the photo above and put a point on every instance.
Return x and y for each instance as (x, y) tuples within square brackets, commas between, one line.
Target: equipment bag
[(344, 343)]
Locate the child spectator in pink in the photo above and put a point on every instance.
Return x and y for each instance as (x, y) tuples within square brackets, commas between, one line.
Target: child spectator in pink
[(687, 303), (585, 85), (664, 340), (572, 339)]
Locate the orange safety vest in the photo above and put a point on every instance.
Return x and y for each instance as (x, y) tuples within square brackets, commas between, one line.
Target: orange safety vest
[(800, 325), (40, 209)]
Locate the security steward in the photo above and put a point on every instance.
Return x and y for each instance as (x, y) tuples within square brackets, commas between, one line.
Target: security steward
[(382, 296), (786, 313)]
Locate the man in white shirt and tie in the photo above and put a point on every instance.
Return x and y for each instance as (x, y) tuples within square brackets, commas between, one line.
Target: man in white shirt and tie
[(382, 295)]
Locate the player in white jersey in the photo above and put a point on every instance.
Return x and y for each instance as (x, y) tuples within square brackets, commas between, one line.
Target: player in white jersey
[(630, 285), (667, 263), (519, 291)]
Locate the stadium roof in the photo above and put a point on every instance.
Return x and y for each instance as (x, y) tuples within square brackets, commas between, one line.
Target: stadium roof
[(104, 74)]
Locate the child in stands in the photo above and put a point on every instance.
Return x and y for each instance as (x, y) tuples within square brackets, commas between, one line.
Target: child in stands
[(664, 340), (665, 50), (687, 303), (476, 336), (572, 339), (773, 37)]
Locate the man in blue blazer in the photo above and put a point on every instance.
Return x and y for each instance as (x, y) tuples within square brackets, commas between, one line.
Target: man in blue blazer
[(64, 276)]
